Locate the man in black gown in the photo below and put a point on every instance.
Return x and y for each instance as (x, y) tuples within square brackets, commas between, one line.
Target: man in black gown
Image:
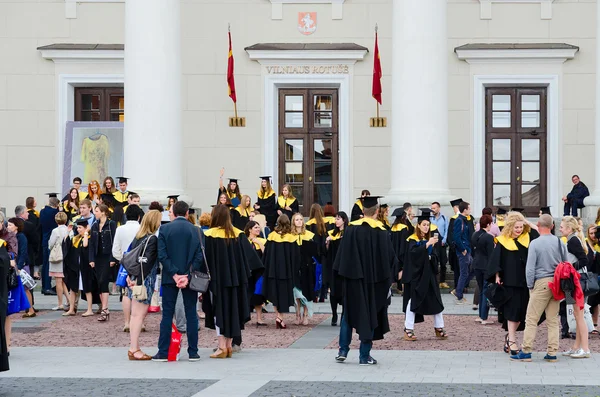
[(366, 263)]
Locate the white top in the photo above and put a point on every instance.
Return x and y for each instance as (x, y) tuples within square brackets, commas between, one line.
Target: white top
[(58, 234), (123, 237)]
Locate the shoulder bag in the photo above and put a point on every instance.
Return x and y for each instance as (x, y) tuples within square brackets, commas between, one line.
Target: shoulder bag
[(199, 281), (588, 280), (132, 260), (140, 292)]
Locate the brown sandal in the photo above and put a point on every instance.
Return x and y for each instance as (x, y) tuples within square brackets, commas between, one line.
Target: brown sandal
[(440, 333), (132, 356), (409, 335)]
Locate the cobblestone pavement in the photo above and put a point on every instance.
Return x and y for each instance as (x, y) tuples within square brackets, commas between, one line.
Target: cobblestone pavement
[(34, 387), (339, 389)]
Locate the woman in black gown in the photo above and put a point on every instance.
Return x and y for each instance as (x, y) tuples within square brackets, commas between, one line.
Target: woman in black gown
[(304, 275), (506, 267), (252, 231), (266, 203), (318, 226), (241, 213), (286, 203), (333, 241), (101, 259), (73, 247)]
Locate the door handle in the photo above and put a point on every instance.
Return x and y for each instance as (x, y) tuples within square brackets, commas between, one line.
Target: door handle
[(310, 178)]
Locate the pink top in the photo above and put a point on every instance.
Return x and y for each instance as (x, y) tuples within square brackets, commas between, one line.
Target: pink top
[(494, 231)]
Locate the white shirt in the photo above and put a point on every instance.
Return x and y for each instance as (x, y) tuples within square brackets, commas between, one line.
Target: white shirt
[(123, 237)]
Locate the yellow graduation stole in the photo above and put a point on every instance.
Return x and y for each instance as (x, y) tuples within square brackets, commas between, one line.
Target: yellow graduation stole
[(334, 236), (256, 245), (399, 227), (265, 195), (371, 222), (278, 238), (510, 244), (219, 232)]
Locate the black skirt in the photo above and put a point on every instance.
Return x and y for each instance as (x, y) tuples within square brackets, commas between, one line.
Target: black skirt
[(515, 308), (103, 272)]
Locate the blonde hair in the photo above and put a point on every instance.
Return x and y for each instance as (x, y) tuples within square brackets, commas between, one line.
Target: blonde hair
[(243, 202), (60, 218), (572, 223), (294, 231), (511, 220), (150, 224), (289, 189)]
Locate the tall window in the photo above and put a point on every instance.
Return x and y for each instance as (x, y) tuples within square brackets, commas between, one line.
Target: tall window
[(99, 104)]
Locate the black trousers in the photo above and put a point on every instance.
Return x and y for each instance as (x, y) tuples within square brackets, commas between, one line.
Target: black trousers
[(453, 260), (443, 262)]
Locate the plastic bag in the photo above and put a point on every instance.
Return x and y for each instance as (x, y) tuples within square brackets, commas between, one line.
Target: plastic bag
[(587, 316), (259, 285), (318, 275), (175, 346), (122, 277)]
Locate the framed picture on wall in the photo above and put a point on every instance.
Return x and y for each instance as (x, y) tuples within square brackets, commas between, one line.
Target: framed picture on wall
[(93, 151)]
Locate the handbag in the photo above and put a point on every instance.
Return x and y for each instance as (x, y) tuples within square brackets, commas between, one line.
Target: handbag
[(12, 280), (132, 260), (140, 292), (589, 282), (27, 281), (56, 253), (199, 281)]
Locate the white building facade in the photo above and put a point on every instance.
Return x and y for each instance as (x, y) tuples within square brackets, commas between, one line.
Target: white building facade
[(493, 101)]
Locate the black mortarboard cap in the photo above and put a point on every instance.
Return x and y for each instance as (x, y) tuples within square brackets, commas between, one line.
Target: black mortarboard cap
[(517, 209), (265, 178), (501, 211), (107, 198), (82, 222), (370, 201), (425, 215), (228, 205), (52, 195), (235, 180), (398, 212), (130, 192), (545, 210), (383, 206), (192, 211), (122, 179), (173, 196), (456, 202)]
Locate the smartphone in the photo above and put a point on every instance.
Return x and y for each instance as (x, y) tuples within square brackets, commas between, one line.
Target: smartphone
[(436, 234)]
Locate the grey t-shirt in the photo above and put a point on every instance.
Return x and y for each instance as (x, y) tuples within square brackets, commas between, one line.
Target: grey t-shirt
[(543, 257)]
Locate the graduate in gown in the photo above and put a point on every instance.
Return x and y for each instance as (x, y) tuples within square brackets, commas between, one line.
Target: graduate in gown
[(4, 267), (506, 266), (120, 199), (329, 216), (500, 214), (407, 216), (421, 289), (357, 208), (399, 234), (252, 231), (232, 190), (72, 248), (304, 275), (384, 213), (266, 203), (71, 204), (231, 259), (287, 203), (281, 259), (241, 213), (330, 276), (319, 227), (365, 261)]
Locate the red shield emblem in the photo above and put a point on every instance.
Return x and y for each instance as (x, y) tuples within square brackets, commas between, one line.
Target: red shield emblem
[(307, 22)]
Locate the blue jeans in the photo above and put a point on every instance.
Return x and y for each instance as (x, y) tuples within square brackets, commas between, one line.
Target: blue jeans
[(346, 338), (466, 275), (46, 280), (484, 309), (572, 205), (190, 302)]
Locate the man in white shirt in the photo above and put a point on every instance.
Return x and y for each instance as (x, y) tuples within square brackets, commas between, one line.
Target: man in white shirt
[(123, 237)]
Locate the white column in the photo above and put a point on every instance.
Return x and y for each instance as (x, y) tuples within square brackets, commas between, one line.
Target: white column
[(419, 102), (153, 134)]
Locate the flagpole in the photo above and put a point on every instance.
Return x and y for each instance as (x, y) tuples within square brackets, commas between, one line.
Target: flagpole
[(376, 101)]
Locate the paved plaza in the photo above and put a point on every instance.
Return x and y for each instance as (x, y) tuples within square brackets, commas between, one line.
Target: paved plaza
[(54, 355)]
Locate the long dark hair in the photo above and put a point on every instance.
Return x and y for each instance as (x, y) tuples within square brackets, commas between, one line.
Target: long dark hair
[(249, 227), (235, 191), (75, 200), (418, 232), (284, 226), (344, 216), (221, 218), (316, 213)]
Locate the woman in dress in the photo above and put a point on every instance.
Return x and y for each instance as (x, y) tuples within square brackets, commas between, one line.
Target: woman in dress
[(139, 308), (281, 258), (241, 213), (56, 268), (94, 192), (16, 226), (252, 231), (317, 225), (230, 259), (71, 205), (304, 290), (421, 289), (108, 186), (578, 256), (506, 267), (333, 241), (266, 202), (287, 203), (101, 259), (232, 190)]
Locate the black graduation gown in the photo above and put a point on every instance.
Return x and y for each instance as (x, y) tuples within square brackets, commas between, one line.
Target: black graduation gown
[(319, 240), (331, 276), (256, 299), (72, 251), (268, 207), (419, 277), (304, 275), (281, 258), (240, 217), (398, 235), (88, 276), (230, 261), (357, 211), (293, 204), (4, 266), (365, 261)]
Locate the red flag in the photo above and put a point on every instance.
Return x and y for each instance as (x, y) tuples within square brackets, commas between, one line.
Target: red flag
[(377, 73), (230, 77)]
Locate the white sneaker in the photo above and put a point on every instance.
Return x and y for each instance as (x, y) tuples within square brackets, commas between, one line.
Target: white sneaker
[(462, 301), (569, 352), (581, 354), (56, 308)]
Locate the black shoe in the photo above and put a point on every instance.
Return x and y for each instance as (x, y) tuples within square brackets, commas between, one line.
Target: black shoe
[(340, 358), (368, 361), (194, 357), (334, 319), (565, 336), (321, 300), (49, 292), (264, 310), (159, 358)]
